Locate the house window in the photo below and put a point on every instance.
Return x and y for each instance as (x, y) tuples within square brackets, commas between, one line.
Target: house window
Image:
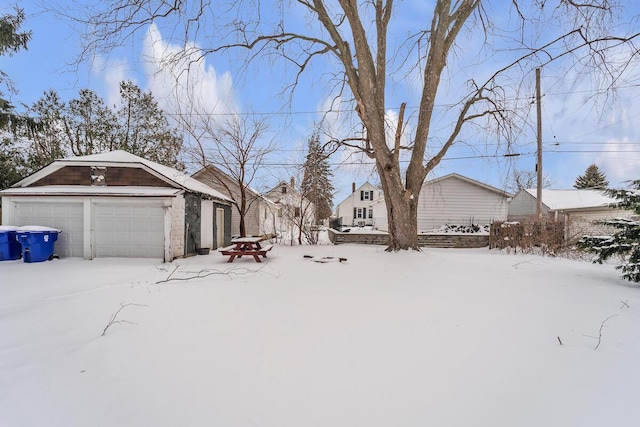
[(284, 190), (355, 212), (296, 212), (361, 213), (370, 213), (366, 195), (279, 212)]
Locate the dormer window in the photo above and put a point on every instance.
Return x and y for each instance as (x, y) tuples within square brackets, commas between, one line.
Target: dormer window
[(284, 190), (98, 176), (366, 195)]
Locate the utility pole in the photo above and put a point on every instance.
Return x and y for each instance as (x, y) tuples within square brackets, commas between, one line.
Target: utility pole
[(539, 160)]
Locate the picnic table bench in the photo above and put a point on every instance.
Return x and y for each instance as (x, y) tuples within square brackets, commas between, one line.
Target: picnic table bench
[(246, 246)]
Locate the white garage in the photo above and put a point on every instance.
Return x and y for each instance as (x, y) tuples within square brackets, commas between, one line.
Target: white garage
[(66, 216), (117, 204), (128, 230)]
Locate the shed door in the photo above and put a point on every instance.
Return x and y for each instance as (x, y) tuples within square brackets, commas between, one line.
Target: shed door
[(65, 216), (219, 228), (128, 230)]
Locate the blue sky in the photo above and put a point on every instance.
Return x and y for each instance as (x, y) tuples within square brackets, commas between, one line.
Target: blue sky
[(578, 129)]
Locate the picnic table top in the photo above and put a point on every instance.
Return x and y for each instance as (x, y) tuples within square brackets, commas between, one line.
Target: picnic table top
[(247, 239)]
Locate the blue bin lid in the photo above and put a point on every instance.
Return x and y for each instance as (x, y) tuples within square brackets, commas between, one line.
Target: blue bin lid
[(37, 229), (8, 228)]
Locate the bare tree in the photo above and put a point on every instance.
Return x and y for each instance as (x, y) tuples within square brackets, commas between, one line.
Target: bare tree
[(356, 34), (525, 179), (231, 153)]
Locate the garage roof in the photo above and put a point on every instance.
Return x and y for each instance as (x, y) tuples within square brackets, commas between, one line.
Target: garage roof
[(120, 158), (557, 200)]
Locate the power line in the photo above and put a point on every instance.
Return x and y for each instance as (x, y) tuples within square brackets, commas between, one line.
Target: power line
[(369, 163), (351, 110)]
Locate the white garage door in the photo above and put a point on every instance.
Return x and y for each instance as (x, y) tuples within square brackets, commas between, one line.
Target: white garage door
[(128, 230), (66, 217)]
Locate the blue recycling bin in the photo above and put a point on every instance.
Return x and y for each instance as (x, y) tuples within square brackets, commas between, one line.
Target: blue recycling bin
[(37, 243), (10, 248)]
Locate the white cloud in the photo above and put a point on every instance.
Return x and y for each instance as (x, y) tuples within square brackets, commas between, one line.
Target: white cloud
[(112, 73), (621, 162), (180, 78)]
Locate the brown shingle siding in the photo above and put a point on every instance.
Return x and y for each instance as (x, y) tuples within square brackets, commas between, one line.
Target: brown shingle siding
[(115, 176), (70, 175)]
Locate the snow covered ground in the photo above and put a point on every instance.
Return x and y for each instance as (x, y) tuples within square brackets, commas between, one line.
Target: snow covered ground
[(439, 338)]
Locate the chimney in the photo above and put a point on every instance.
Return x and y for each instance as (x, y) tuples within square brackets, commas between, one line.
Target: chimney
[(293, 183), (353, 187)]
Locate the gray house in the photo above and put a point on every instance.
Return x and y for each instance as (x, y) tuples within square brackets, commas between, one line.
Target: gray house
[(580, 210), (117, 204)]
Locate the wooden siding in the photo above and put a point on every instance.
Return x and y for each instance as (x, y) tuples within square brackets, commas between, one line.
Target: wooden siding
[(458, 202), (225, 185), (115, 177)]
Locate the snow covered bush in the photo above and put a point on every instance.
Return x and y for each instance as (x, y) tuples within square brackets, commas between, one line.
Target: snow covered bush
[(625, 243), (462, 229)]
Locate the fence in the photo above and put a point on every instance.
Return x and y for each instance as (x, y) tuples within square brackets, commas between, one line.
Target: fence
[(547, 235)]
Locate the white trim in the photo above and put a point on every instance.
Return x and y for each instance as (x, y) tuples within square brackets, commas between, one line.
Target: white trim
[(87, 234)]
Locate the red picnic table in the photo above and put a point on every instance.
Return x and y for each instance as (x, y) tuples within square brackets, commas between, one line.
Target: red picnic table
[(246, 246)]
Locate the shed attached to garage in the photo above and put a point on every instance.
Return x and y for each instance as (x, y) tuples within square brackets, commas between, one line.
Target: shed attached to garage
[(117, 204)]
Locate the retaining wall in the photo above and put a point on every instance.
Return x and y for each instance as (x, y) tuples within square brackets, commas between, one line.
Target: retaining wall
[(429, 240)]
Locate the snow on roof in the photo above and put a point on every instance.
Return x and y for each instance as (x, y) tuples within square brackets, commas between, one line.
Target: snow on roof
[(124, 157), (572, 199), (83, 190)]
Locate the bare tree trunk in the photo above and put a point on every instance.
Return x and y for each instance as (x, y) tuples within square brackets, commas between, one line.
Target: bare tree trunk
[(402, 212)]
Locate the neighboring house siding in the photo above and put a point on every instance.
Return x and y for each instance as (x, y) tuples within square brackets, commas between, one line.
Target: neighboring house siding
[(457, 202), (380, 219), (115, 176), (290, 209), (222, 183), (523, 207), (451, 200), (585, 222)]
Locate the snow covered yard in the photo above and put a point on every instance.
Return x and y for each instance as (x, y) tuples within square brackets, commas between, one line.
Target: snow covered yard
[(441, 338)]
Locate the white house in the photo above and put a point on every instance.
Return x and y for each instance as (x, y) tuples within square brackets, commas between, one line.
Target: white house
[(117, 204), (580, 210), (452, 200), (292, 211), (358, 208)]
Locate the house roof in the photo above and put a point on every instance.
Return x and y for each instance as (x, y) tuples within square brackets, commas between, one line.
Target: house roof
[(367, 183), (470, 181), (214, 170), (557, 200), (271, 194), (121, 158), (442, 178)]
